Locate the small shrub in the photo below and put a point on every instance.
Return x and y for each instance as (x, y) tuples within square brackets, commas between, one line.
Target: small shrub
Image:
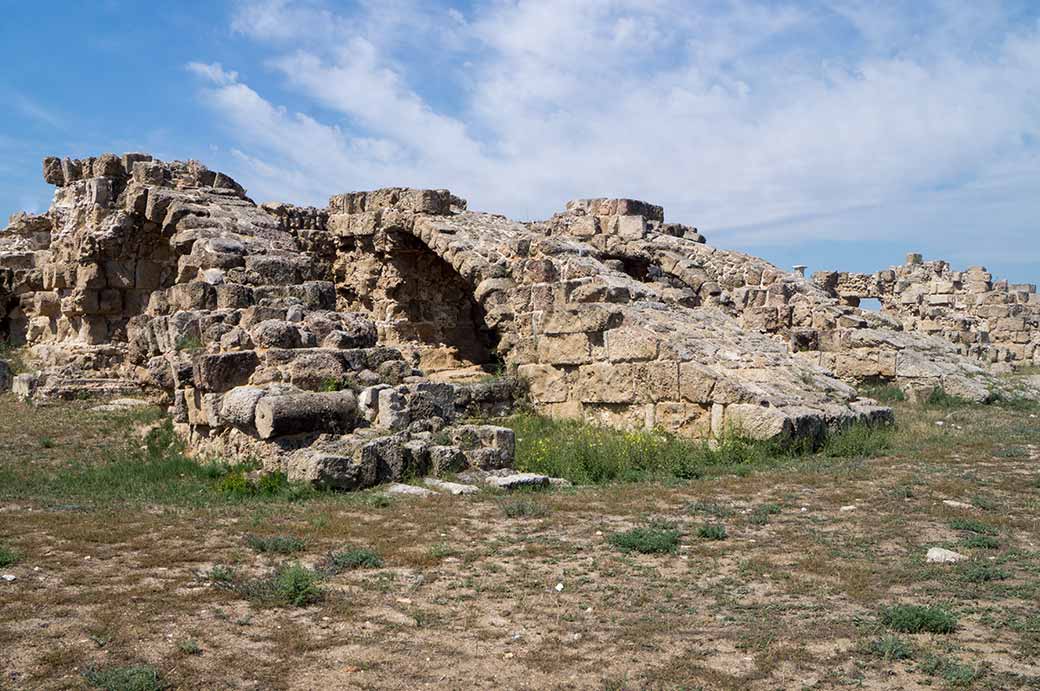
[(220, 574), (349, 559), (649, 540), (524, 508), (330, 385), (276, 544), (712, 531), (297, 585), (46, 443), (952, 672), (971, 525), (918, 619), (891, 648), (978, 572), (189, 647), (8, 556), (136, 678), (761, 514), (1012, 452), (982, 542)]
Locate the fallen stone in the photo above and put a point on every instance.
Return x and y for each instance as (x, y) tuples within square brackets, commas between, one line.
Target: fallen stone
[(9, 577), (410, 490), (450, 487), (957, 504), (938, 555), (517, 480)]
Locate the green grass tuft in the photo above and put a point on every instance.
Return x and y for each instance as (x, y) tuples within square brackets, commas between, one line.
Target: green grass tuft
[(918, 619), (891, 648), (524, 508), (189, 647), (972, 525), (980, 572), (9, 556), (952, 672), (276, 544), (981, 542), (761, 513), (649, 540), (712, 531), (938, 398), (136, 678), (349, 559)]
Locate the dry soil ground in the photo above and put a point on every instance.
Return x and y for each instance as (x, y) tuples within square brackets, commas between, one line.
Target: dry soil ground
[(118, 576)]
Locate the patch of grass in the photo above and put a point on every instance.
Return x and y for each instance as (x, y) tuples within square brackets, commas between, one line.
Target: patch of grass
[(950, 671), (938, 398), (981, 542), (980, 572), (442, 550), (884, 393), (918, 619), (648, 540), (710, 508), (712, 531), (135, 678), (46, 443), (585, 453), (524, 508), (972, 525), (349, 559), (761, 513), (189, 647), (236, 484), (276, 544), (858, 441), (13, 356), (984, 503), (289, 585), (1012, 452), (153, 471), (891, 648), (9, 556)]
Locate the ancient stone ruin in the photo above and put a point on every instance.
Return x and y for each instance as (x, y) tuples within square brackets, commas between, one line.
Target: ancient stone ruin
[(354, 344), (993, 321)]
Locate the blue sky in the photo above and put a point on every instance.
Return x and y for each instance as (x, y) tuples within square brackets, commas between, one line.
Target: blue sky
[(834, 133)]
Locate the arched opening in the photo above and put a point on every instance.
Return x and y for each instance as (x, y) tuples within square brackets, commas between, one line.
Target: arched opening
[(419, 302)]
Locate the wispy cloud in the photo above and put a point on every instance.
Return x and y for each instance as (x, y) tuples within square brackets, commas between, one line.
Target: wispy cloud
[(760, 122), (36, 111)]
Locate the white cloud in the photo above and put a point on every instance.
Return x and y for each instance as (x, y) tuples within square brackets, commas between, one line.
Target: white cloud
[(759, 122), (213, 73)]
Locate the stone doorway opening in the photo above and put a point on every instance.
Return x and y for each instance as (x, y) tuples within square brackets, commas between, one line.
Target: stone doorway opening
[(420, 304)]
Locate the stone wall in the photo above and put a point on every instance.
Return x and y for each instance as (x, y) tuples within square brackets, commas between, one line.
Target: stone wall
[(993, 321)]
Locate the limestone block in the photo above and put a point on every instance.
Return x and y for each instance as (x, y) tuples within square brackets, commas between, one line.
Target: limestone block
[(627, 344), (696, 382), (631, 227), (567, 349), (604, 382), (221, 372), (546, 384)]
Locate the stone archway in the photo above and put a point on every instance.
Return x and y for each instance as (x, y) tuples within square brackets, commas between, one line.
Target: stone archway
[(419, 302)]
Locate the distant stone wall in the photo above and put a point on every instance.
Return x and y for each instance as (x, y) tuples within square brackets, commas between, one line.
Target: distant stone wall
[(993, 321)]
